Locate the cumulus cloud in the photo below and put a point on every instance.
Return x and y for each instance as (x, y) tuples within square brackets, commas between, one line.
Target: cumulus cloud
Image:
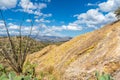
[(30, 5), (14, 29), (96, 18), (93, 18), (42, 20), (109, 5), (1, 25), (56, 30), (7, 4), (71, 26), (32, 8)]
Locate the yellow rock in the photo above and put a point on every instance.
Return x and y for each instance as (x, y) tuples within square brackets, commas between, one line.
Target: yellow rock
[(94, 51)]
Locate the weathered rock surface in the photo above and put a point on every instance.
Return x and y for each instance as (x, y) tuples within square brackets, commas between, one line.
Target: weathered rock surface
[(80, 57)]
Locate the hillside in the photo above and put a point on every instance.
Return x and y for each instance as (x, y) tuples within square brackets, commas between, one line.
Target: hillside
[(79, 58), (34, 46)]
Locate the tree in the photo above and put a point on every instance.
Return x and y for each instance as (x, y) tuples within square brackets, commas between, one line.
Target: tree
[(117, 12), (15, 53)]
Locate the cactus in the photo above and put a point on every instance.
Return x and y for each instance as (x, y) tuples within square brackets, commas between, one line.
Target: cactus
[(13, 76), (3, 77), (6, 75), (103, 76)]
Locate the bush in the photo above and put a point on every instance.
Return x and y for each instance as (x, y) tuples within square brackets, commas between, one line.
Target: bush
[(103, 76), (13, 76), (5, 75)]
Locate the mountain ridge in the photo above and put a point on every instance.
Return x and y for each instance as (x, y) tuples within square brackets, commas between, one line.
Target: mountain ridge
[(52, 38)]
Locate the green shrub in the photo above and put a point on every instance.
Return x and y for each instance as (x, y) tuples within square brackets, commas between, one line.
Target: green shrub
[(5, 75), (13, 76), (103, 76), (28, 75)]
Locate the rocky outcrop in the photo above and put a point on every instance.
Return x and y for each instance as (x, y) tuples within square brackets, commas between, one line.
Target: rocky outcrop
[(80, 57)]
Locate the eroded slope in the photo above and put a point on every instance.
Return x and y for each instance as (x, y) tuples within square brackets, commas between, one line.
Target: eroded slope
[(97, 50)]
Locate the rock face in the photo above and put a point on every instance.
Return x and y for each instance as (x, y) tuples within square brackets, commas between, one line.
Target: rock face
[(80, 57)]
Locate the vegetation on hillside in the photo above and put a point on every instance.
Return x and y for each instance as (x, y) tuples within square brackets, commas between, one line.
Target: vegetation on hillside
[(15, 49), (103, 76), (11, 75), (13, 53), (35, 46), (117, 12)]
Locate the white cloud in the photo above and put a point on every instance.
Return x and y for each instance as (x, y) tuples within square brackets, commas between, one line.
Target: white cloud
[(32, 8), (14, 29), (73, 27), (7, 4), (28, 20), (91, 4), (42, 20), (47, 15), (41, 5), (56, 30), (1, 24), (109, 5), (93, 18)]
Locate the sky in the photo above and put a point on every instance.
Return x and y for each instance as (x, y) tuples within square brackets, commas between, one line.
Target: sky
[(56, 17)]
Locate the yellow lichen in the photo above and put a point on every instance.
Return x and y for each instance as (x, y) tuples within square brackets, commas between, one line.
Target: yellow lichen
[(70, 61)]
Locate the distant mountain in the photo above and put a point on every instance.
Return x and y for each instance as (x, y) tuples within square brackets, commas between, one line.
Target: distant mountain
[(51, 38), (35, 45), (45, 38)]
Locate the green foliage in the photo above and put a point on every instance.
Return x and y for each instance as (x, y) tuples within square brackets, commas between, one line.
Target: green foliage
[(1, 67), (5, 75), (2, 70), (103, 76), (29, 69), (16, 60), (15, 53), (13, 76)]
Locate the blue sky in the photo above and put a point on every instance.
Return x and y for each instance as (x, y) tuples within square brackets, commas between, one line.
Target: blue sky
[(57, 17)]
